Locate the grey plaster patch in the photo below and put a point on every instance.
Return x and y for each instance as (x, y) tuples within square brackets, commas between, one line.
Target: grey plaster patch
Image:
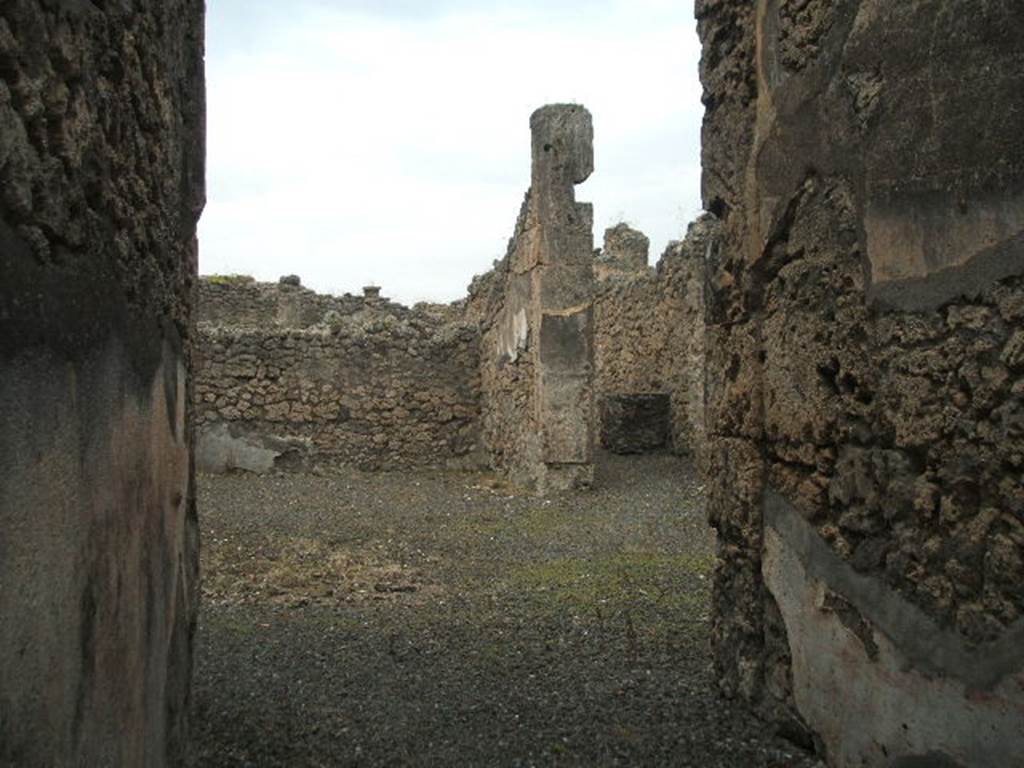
[(918, 294), (918, 234), (919, 694), (220, 450), (566, 393), (513, 328), (564, 340), (926, 249), (931, 760), (93, 557), (928, 647)]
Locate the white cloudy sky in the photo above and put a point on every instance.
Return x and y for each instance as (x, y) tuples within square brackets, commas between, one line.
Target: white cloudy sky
[(387, 141)]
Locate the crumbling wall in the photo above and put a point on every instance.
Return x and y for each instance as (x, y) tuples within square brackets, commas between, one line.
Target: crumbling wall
[(536, 312), (649, 328), (239, 300), (290, 379), (865, 380), (626, 252), (101, 154)]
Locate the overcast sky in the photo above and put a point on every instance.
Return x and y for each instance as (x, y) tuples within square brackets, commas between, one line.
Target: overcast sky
[(387, 141)]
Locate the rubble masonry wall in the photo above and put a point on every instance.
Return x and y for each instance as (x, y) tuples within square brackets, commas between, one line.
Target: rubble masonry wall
[(289, 379), (865, 371), (649, 331)]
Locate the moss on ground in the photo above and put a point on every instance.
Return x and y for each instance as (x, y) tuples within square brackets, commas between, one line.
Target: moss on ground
[(656, 590)]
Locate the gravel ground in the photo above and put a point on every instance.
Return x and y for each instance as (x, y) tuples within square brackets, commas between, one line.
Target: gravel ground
[(440, 619)]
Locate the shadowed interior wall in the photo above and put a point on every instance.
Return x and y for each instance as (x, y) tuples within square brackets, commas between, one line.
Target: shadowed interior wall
[(101, 155), (865, 371)]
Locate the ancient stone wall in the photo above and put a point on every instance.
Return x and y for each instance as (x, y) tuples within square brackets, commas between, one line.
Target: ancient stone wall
[(865, 373), (101, 155), (649, 329), (536, 311), (290, 379)]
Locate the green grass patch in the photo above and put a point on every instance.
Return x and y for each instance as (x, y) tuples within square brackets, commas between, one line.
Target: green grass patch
[(229, 279)]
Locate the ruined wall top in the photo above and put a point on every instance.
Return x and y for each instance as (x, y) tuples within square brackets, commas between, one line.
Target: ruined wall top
[(240, 301), (626, 250)]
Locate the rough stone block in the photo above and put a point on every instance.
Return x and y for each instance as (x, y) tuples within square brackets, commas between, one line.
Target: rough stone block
[(625, 248)]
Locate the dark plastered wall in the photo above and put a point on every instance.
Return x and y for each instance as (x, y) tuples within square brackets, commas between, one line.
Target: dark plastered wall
[(101, 157), (865, 371)]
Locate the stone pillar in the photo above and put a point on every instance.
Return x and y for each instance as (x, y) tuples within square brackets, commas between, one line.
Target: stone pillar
[(539, 357), (101, 146), (563, 156), (865, 371)]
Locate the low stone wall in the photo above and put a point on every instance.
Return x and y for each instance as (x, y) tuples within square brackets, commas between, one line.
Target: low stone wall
[(649, 327), (367, 383)]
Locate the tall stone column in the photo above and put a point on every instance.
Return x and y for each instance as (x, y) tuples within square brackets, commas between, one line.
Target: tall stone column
[(539, 356), (563, 291)]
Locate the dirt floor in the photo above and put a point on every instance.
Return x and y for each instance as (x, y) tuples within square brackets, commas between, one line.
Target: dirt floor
[(439, 619)]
